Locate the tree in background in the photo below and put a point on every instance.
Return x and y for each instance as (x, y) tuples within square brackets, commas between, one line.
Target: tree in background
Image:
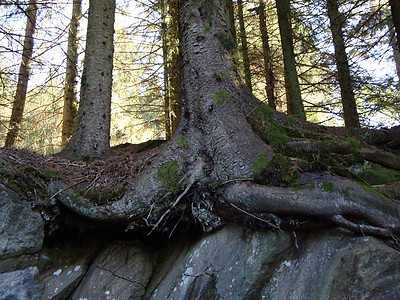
[(295, 102), (395, 8), (91, 135), (343, 70), (244, 48), (70, 102), (23, 76), (269, 74)]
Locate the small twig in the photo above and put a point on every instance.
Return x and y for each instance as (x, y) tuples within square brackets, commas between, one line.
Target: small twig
[(68, 187), (173, 229), (235, 179), (90, 185), (172, 206), (255, 217)]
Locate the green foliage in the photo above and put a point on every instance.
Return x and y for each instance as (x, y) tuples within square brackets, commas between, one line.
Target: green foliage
[(168, 174), (220, 97)]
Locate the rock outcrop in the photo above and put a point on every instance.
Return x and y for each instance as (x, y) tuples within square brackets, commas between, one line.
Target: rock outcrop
[(227, 264)]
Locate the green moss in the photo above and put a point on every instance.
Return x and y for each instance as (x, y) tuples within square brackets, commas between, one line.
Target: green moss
[(354, 143), (220, 75), (377, 174), (260, 162), (328, 186), (276, 136), (220, 97), (264, 112), (228, 43), (76, 199), (346, 192), (168, 174), (51, 175), (182, 141)]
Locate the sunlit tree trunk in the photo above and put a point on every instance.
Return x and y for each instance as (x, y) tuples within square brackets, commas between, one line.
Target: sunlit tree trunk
[(175, 66), (348, 100), (91, 136), (70, 102), (292, 80), (269, 75), (244, 48), (167, 122), (23, 76)]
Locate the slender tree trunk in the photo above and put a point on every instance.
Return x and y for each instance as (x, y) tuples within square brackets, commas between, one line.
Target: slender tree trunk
[(175, 66), (231, 13), (70, 101), (292, 83), (395, 8), (163, 8), (244, 49), (348, 100), (91, 136), (23, 76), (393, 40), (269, 75)]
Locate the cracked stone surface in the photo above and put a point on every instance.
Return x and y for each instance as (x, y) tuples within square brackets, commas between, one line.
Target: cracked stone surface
[(121, 271), (21, 232), (20, 285)]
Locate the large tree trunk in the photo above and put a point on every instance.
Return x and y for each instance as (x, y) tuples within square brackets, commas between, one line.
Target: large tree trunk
[(244, 48), (344, 77), (71, 74), (23, 76), (91, 136), (269, 74), (232, 156), (292, 81)]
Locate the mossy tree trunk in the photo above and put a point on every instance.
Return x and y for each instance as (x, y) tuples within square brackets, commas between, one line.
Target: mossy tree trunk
[(233, 157), (350, 113), (91, 135), (291, 79), (23, 76), (71, 74)]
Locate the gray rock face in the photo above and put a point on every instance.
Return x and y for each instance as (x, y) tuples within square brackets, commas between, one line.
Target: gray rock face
[(336, 265), (220, 266), (121, 271), (20, 285), (21, 232)]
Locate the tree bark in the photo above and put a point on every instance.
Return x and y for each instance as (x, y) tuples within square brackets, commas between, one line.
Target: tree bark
[(348, 100), (70, 101), (292, 80), (395, 8), (244, 48), (91, 135), (175, 66), (163, 9), (23, 76), (269, 74)]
